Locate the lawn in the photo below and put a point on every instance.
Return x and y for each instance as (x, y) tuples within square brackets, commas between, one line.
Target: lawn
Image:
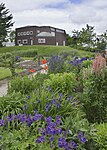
[(42, 50), (4, 73)]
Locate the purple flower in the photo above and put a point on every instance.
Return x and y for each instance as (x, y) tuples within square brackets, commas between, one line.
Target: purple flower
[(48, 105), (25, 107), (17, 58), (49, 119), (37, 117), (51, 139), (75, 58), (29, 120), (83, 139), (80, 134), (21, 117), (2, 123), (73, 144), (82, 59), (12, 117), (58, 120), (41, 139), (62, 143), (28, 97)]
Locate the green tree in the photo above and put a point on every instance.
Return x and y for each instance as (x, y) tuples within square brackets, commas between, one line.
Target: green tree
[(75, 38), (83, 38), (12, 36), (87, 36), (68, 39), (8, 60), (5, 23), (101, 42)]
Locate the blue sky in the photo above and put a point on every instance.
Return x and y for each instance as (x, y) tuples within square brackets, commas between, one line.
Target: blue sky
[(65, 14)]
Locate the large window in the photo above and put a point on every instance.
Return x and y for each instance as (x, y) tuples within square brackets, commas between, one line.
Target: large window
[(46, 34), (41, 41), (25, 41), (18, 41), (58, 30)]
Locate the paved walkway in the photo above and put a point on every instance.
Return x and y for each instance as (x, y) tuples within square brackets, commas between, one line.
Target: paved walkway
[(3, 87)]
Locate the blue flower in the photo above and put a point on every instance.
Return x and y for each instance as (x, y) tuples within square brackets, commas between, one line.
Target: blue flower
[(73, 144), (21, 117), (29, 120), (51, 139), (2, 123), (49, 119), (48, 105), (41, 139), (62, 142), (28, 97), (25, 107), (37, 117), (83, 139)]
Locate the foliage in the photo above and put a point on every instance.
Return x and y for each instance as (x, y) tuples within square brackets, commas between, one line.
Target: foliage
[(25, 85), (94, 101), (8, 60), (63, 82), (12, 36), (5, 23), (101, 138), (11, 103), (56, 64), (87, 63)]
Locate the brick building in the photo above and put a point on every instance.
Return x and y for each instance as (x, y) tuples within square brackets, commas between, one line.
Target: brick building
[(40, 35)]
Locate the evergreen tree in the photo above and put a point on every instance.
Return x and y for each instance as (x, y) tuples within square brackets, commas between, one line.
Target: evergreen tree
[(5, 23)]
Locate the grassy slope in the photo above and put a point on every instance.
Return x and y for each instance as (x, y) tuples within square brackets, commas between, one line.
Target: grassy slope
[(42, 50)]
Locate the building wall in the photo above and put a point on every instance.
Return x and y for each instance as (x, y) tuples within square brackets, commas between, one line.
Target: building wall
[(44, 35)]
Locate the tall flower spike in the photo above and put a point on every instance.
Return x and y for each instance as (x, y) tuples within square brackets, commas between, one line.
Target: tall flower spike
[(99, 65)]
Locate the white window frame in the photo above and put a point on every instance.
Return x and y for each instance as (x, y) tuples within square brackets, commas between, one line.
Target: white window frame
[(42, 40), (18, 41), (25, 41)]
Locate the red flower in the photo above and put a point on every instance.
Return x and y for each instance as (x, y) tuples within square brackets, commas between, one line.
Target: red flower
[(32, 70), (46, 67), (44, 61)]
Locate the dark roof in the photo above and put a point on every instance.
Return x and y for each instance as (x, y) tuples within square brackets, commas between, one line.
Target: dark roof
[(40, 27)]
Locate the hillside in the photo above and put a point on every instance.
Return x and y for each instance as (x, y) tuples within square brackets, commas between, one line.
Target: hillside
[(43, 50)]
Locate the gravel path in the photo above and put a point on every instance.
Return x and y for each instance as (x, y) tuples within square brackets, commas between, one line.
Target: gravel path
[(3, 87)]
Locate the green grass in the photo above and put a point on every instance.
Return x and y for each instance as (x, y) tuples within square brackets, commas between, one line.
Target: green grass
[(42, 50), (4, 73)]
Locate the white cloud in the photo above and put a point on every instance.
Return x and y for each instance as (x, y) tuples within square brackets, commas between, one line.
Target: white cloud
[(64, 14)]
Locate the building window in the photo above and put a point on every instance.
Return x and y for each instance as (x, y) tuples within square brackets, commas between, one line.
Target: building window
[(25, 33), (25, 41), (52, 29), (38, 31), (18, 41), (41, 41), (58, 30)]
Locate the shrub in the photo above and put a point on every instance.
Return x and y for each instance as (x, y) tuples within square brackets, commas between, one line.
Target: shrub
[(101, 138), (56, 64), (95, 98), (63, 82)]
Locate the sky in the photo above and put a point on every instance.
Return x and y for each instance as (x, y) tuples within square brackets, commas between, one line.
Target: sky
[(63, 14)]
